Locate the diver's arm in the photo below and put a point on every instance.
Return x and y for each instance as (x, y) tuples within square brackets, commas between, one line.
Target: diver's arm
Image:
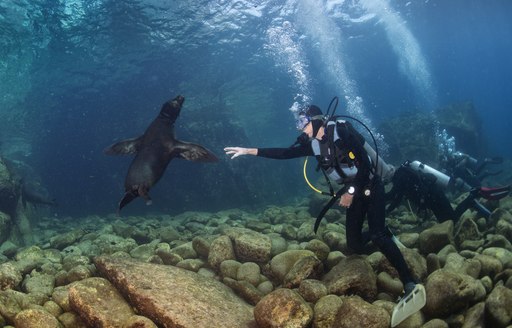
[(239, 151), (286, 153), (275, 153)]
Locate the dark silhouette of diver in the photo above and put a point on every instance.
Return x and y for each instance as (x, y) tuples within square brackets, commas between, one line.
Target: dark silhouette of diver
[(425, 187), (468, 169)]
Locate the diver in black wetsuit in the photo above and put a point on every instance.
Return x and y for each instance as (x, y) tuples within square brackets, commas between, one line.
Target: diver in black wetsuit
[(425, 187), (340, 151), (467, 168)]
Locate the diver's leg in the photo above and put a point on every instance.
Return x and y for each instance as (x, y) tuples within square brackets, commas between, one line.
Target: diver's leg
[(440, 205), (354, 225), (382, 238)]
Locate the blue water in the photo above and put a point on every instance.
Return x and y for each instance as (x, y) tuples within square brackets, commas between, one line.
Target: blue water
[(76, 76)]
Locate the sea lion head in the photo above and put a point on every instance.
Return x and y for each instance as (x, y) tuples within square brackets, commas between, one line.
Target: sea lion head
[(171, 109)]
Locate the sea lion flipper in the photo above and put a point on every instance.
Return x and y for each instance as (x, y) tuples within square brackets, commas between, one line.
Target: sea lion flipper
[(124, 147), (194, 152), (127, 198)]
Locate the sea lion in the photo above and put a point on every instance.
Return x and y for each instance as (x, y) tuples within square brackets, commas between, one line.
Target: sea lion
[(35, 193), (154, 150)]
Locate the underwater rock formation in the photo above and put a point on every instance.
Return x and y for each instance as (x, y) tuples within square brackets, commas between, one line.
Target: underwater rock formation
[(412, 135), (291, 279)]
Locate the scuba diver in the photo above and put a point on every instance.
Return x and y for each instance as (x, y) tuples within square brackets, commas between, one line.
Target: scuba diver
[(468, 169), (342, 155), (425, 187)]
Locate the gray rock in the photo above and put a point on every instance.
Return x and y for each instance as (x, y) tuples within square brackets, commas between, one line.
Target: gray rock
[(173, 297), (99, 303), (312, 290), (221, 250), (69, 262), (35, 318), (143, 252), (245, 290), (354, 312), (388, 284), (318, 247), (168, 234), (305, 231), (168, 257), (265, 287), (186, 251), (449, 292), (499, 306), (110, 244), (475, 316), (250, 246), (61, 241), (39, 283), (279, 244), (229, 268), (10, 276), (71, 320), (191, 264), (201, 246), (137, 321), (250, 272), (490, 266), (325, 311), (502, 254), (353, 275), (283, 308), (435, 238), (436, 323), (305, 267), (467, 230), (458, 264), (282, 263)]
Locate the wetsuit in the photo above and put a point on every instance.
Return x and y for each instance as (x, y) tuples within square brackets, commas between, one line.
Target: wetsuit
[(372, 206), (422, 189)]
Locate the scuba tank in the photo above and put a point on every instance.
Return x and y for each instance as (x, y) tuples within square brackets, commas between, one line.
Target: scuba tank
[(383, 169), (442, 180)]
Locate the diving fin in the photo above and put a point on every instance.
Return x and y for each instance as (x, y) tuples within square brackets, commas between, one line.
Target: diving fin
[(395, 239), (410, 304), (494, 193), (480, 208)]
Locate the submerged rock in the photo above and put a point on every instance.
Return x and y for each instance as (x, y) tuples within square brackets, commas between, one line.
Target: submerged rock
[(449, 292), (283, 308), (99, 303), (353, 275), (354, 312), (36, 318), (174, 297)]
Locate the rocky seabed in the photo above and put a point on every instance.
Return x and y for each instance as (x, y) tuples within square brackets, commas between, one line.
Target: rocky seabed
[(240, 269)]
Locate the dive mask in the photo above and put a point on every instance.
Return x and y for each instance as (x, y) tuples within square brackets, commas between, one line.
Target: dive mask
[(302, 121)]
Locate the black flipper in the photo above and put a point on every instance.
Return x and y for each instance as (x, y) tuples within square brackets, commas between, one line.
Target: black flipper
[(127, 198), (480, 208), (194, 152), (125, 147)]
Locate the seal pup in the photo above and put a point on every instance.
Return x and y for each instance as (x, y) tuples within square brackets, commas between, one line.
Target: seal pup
[(153, 152)]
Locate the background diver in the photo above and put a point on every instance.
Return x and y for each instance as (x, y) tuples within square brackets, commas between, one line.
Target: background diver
[(426, 186), (340, 152), (468, 169)]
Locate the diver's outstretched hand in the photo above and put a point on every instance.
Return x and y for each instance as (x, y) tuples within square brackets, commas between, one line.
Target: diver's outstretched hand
[(239, 151)]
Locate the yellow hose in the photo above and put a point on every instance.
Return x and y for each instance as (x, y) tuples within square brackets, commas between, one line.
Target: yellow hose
[(306, 178)]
